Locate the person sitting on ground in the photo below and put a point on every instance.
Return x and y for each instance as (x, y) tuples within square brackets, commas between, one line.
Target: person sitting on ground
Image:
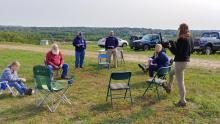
[(55, 61), (10, 75), (160, 59)]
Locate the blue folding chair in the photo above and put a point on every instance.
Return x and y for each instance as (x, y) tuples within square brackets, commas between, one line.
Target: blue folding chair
[(5, 86), (103, 60)]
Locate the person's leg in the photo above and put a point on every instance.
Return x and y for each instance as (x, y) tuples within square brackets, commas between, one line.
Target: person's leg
[(50, 67), (115, 58), (65, 69), (18, 86), (109, 52), (82, 56), (152, 69), (171, 78), (180, 66), (77, 59)]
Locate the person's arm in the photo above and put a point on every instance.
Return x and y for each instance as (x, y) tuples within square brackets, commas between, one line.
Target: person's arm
[(61, 59), (106, 43), (9, 77), (116, 42), (85, 44), (75, 42)]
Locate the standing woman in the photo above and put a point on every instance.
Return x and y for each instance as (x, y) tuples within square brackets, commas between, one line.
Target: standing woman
[(80, 45), (182, 51)]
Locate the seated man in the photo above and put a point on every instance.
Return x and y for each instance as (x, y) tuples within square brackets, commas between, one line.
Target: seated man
[(55, 61), (160, 59), (10, 75)]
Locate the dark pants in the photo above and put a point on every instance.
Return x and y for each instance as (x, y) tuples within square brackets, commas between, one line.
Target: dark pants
[(65, 69), (79, 59), (152, 69)]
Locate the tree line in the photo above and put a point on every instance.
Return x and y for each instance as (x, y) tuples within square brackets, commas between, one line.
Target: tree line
[(33, 35)]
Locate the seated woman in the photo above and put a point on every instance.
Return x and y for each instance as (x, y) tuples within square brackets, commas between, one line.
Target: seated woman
[(10, 75), (160, 59), (55, 61)]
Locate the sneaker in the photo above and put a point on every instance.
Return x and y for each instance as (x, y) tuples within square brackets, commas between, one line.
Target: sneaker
[(143, 67), (28, 92), (180, 104)]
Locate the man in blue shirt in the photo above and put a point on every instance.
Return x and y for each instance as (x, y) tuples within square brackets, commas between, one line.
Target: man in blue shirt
[(80, 45), (111, 45)]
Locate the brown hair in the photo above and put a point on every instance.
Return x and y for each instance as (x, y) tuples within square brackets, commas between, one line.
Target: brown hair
[(184, 31)]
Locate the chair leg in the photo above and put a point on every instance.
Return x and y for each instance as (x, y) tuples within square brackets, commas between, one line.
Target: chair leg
[(158, 95), (147, 89), (107, 95), (125, 93), (111, 97), (131, 97)]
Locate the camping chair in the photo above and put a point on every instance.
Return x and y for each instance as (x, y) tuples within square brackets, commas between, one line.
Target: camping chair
[(51, 92), (56, 72), (4, 86), (158, 80), (103, 60), (119, 86)]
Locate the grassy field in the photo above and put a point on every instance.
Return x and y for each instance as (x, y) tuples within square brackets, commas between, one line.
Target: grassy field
[(89, 91), (92, 47)]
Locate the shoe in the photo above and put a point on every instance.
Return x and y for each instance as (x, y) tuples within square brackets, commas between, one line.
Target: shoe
[(28, 92), (180, 104), (168, 90), (142, 67)]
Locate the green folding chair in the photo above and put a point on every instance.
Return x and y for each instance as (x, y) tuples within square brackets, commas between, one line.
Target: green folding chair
[(50, 92), (158, 80), (120, 76)]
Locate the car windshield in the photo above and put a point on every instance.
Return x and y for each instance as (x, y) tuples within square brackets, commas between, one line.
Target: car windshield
[(206, 35), (146, 37)]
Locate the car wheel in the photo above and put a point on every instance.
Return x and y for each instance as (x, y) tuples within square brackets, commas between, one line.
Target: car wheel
[(146, 47), (208, 50), (124, 45)]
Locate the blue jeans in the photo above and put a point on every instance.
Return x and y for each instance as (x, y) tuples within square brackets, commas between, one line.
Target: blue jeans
[(65, 69), (79, 59), (19, 86), (152, 69)]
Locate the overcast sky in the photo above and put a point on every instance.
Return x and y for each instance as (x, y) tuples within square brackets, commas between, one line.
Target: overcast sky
[(165, 14)]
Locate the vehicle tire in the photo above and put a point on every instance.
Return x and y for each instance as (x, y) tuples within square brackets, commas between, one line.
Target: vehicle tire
[(124, 45), (146, 47), (207, 50)]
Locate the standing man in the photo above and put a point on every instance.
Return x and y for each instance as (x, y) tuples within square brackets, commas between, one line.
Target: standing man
[(80, 45), (111, 45)]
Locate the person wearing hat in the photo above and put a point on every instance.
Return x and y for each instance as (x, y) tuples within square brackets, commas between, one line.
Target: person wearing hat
[(55, 61), (80, 45), (111, 45)]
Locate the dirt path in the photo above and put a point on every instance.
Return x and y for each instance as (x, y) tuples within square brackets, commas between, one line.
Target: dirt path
[(199, 63)]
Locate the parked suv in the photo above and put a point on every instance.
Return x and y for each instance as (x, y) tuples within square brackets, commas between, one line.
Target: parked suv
[(208, 43), (148, 41), (133, 38)]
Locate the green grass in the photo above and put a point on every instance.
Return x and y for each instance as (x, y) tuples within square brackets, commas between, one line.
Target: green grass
[(89, 91)]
